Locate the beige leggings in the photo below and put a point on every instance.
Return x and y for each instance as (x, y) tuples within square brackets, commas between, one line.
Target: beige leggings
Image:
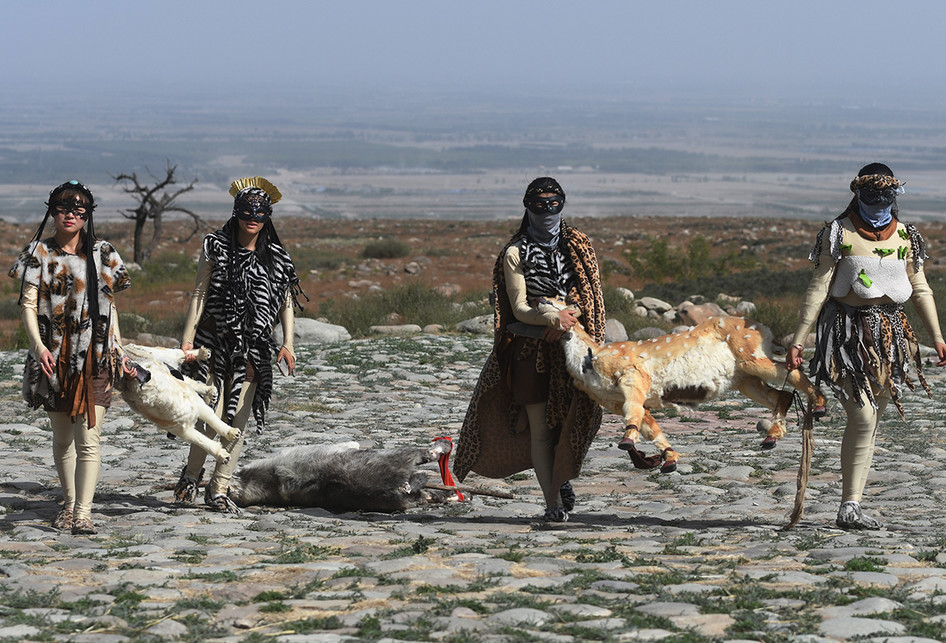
[(857, 445), (78, 457), (220, 479), (543, 453)]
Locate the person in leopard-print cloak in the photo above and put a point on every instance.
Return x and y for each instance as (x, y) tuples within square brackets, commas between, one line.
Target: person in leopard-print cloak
[(867, 265), (525, 412), (67, 286)]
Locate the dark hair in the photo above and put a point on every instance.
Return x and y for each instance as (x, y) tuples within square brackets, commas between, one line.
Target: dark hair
[(542, 185), (267, 236), (875, 168)]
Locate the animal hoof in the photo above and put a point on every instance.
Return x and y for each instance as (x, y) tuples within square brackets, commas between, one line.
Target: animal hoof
[(769, 443), (669, 467), (626, 445), (819, 411)]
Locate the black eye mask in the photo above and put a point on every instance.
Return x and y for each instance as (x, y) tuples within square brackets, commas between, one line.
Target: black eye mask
[(871, 196), (256, 214), (549, 204), (252, 204)]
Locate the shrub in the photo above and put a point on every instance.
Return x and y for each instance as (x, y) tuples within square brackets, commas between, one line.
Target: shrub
[(748, 284), (9, 309), (660, 262), (416, 303), (163, 269), (386, 249), (780, 315), (306, 259)]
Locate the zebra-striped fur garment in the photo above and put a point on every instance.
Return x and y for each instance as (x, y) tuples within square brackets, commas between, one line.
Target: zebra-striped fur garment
[(548, 272), (243, 304)]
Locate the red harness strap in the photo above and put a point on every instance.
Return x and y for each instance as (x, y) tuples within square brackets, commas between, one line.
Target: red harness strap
[(444, 462)]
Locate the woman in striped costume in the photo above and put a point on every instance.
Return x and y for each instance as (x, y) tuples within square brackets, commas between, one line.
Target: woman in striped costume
[(867, 265), (245, 283)]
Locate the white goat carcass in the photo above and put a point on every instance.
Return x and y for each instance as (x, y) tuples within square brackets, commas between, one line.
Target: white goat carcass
[(341, 478), (173, 402), (628, 378)]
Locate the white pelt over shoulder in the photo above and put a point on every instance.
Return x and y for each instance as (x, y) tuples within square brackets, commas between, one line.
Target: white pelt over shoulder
[(172, 401), (341, 477)]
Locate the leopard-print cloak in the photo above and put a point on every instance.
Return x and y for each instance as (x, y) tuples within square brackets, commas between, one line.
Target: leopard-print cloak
[(494, 440), (63, 312)]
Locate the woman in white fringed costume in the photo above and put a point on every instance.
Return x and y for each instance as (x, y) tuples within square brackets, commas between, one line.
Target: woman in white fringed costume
[(867, 265)]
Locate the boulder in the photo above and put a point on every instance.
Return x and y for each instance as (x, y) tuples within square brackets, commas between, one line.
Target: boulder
[(647, 333), (657, 305), (614, 331), (624, 294), (312, 331), (447, 290), (400, 329), (148, 339), (745, 308), (695, 314), (482, 325)]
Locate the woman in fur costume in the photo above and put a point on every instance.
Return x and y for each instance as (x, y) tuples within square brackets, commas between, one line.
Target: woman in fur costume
[(525, 412), (246, 282), (867, 265), (67, 285)]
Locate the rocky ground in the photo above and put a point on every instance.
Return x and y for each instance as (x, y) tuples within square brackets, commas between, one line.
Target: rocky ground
[(697, 555)]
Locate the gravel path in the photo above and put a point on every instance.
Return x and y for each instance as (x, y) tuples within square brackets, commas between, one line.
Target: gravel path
[(696, 555)]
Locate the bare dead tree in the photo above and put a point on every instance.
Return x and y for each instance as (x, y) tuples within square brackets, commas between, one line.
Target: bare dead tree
[(154, 201)]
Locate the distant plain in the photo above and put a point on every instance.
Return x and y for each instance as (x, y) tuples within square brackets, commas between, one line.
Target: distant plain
[(353, 156)]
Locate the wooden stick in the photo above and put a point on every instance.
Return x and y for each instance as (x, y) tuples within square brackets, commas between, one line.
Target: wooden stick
[(804, 469), (471, 490)]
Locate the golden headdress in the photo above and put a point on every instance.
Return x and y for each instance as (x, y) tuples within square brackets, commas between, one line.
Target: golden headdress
[(256, 182)]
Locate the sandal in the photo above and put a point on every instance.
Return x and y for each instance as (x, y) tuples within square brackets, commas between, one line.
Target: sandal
[(558, 514), (221, 503), (186, 490), (83, 527), (63, 520), (850, 516)]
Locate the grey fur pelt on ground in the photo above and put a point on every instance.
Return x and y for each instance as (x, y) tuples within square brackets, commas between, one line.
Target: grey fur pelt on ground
[(340, 478)]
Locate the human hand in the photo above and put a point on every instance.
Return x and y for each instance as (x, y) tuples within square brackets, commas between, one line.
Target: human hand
[(941, 353), (128, 371), (566, 319), (793, 360), (286, 356), (46, 363), (189, 356)]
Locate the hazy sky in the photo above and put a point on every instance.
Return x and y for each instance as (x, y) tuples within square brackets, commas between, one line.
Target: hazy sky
[(798, 48)]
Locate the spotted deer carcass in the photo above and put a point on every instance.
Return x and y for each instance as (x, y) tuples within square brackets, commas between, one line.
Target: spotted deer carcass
[(687, 368), (175, 403)]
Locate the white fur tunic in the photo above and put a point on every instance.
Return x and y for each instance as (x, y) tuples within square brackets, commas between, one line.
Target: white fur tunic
[(63, 311)]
